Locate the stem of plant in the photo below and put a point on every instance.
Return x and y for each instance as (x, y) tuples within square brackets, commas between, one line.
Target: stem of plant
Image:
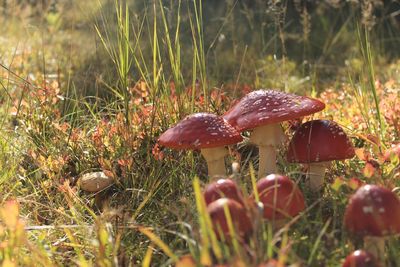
[(267, 160), (267, 138), (376, 246), (215, 158), (316, 174)]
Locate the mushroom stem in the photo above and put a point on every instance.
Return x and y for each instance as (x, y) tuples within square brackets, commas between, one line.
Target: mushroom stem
[(266, 161), (267, 138), (316, 174), (376, 246), (215, 160)]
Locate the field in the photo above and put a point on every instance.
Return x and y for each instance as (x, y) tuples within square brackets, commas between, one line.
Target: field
[(90, 86)]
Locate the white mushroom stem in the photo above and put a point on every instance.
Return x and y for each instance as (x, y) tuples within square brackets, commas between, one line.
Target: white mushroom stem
[(376, 246), (316, 174), (235, 168), (267, 138), (267, 160), (215, 160)]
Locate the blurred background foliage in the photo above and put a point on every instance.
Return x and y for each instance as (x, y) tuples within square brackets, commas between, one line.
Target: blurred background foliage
[(288, 44)]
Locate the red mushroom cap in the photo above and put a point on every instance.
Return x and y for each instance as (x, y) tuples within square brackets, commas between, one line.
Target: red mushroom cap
[(200, 130), (222, 188), (360, 258), (319, 140), (373, 211), (280, 196), (263, 107), (240, 218)]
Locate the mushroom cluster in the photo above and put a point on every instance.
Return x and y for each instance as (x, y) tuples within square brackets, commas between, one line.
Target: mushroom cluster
[(260, 112), (280, 199), (315, 144)]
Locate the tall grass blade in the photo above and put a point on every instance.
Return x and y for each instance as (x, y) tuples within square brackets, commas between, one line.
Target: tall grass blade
[(156, 240)]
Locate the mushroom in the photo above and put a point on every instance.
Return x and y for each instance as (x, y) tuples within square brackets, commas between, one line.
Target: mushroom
[(281, 198), (262, 111), (206, 132), (222, 188), (373, 212), (95, 181), (317, 143), (360, 258), (240, 218)]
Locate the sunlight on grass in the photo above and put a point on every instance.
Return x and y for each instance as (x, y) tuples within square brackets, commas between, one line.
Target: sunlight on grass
[(90, 86)]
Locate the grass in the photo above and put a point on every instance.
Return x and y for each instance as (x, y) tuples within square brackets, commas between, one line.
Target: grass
[(70, 107)]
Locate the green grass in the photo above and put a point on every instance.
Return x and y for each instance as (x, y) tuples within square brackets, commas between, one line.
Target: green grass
[(92, 85)]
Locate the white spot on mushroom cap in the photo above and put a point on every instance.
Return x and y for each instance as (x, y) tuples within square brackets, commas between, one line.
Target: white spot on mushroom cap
[(368, 209)]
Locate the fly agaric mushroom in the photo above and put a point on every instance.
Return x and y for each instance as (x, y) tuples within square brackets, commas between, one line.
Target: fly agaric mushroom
[(373, 212), (281, 198), (317, 143), (206, 132), (262, 111), (222, 188), (360, 258), (240, 218)]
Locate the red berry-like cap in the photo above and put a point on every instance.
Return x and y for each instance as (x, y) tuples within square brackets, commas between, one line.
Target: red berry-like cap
[(222, 188), (373, 211), (200, 130), (280, 196), (360, 258), (238, 213), (318, 141), (263, 107)]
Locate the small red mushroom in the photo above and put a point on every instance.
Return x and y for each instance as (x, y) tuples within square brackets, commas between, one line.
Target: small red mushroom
[(317, 143), (240, 218), (281, 198), (360, 258), (222, 188), (373, 212), (262, 111), (206, 132)]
